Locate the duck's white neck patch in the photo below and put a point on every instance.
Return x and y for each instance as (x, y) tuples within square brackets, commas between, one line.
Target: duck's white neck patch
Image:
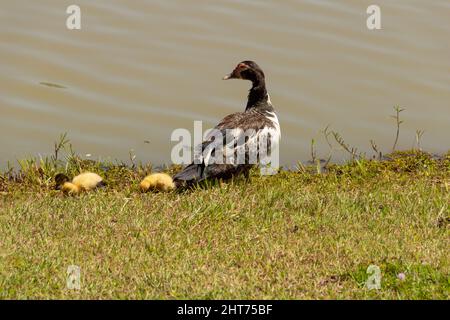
[(268, 100)]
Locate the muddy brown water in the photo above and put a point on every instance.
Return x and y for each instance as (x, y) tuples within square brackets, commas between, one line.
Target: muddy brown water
[(137, 70)]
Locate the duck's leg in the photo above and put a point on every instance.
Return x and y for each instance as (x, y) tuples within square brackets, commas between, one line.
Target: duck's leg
[(248, 179)]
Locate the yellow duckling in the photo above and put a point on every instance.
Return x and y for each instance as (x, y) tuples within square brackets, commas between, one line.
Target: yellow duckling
[(83, 182), (157, 182)]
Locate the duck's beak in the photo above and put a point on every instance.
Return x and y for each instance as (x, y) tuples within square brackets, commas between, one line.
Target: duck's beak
[(228, 76), (234, 75)]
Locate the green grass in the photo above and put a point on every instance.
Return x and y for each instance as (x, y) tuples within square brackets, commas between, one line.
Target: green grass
[(296, 235)]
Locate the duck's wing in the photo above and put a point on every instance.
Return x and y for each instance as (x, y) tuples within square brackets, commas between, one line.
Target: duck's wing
[(251, 133), (232, 146)]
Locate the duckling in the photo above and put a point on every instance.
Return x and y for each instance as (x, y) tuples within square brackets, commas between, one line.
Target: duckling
[(157, 182), (83, 182)]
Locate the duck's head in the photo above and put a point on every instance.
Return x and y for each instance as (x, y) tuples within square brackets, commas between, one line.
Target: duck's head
[(60, 179), (246, 70), (62, 182)]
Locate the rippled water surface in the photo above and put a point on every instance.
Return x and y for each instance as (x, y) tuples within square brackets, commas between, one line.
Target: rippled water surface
[(137, 70)]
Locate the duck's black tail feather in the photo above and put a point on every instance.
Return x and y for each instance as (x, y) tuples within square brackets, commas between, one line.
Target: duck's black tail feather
[(193, 173)]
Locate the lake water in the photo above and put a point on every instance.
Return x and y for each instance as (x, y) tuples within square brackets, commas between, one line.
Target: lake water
[(137, 70)]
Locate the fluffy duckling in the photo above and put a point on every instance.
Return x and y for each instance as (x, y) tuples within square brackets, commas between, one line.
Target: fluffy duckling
[(83, 182), (157, 182)]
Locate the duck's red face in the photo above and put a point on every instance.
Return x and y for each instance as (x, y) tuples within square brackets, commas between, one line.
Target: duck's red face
[(237, 72), (247, 70)]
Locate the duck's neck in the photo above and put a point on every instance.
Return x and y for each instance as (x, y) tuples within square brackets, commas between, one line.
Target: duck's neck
[(258, 97)]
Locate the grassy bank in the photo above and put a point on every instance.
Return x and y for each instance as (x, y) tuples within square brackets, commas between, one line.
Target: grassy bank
[(298, 234)]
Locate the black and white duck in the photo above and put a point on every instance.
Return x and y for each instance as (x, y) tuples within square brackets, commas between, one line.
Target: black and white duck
[(236, 142)]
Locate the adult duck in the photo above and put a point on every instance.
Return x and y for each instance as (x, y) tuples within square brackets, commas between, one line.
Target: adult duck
[(241, 140)]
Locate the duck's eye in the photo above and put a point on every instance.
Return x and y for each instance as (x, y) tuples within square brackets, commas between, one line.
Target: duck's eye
[(242, 66)]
